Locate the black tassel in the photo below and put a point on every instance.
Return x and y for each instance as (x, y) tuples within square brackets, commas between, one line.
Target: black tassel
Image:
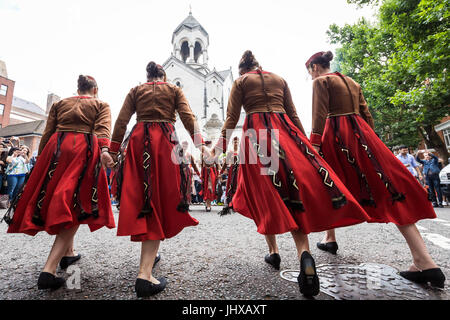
[(226, 210), (8, 216), (296, 205), (339, 202), (145, 212), (368, 203), (37, 221), (7, 219), (183, 207), (83, 216), (398, 197)]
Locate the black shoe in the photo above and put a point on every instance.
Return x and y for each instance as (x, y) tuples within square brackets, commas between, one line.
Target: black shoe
[(274, 260), (145, 288), (440, 205), (308, 281), (49, 281), (67, 261), (330, 247), (434, 276), (435, 205), (157, 258)]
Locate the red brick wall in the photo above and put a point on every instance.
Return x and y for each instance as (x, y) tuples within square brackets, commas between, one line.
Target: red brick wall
[(441, 133), (6, 100)]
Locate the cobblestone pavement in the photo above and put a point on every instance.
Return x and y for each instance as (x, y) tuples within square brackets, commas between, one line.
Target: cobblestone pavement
[(222, 258)]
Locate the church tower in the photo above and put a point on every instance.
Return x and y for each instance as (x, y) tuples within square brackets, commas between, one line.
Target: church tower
[(190, 43), (205, 88)]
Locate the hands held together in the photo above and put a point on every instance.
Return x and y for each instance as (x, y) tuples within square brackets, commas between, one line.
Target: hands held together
[(108, 159)]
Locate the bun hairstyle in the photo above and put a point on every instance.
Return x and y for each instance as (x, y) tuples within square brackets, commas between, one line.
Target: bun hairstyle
[(321, 58), (155, 71), (86, 83), (247, 62)]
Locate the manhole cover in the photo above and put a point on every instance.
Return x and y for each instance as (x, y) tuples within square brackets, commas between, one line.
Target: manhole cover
[(367, 281)]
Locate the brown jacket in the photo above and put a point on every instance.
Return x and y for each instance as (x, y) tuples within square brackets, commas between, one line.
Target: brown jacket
[(155, 101), (248, 91), (79, 114), (332, 97)]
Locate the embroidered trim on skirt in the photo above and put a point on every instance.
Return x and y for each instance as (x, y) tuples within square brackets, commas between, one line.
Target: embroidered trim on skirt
[(304, 193), (152, 196), (67, 187)]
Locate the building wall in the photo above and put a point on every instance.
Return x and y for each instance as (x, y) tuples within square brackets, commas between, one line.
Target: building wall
[(51, 99), (6, 100), (31, 142), (191, 84), (214, 93), (441, 132), (20, 116)]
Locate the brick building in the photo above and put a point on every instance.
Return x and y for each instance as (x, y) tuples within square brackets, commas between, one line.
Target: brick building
[(6, 95), (19, 117), (443, 130)]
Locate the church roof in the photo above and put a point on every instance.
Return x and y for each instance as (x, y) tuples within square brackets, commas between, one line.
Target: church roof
[(23, 129), (190, 22), (27, 105), (224, 74)]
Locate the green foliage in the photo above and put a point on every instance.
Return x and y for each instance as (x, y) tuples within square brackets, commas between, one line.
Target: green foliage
[(401, 62)]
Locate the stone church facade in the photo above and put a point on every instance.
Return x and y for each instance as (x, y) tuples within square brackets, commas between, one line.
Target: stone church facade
[(206, 89)]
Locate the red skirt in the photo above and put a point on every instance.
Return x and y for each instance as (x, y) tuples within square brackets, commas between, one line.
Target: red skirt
[(305, 194), (113, 183), (389, 192), (208, 174), (165, 221), (57, 210)]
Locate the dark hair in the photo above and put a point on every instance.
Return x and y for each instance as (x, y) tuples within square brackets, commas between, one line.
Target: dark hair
[(86, 83), (248, 61), (11, 151), (402, 146), (323, 60), (155, 71)]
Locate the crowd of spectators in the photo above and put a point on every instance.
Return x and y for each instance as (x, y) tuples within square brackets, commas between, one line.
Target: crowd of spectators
[(16, 161), (425, 166)]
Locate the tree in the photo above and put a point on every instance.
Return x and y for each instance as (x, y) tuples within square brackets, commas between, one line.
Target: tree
[(400, 62)]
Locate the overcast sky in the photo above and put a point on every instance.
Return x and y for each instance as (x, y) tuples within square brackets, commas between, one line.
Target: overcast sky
[(46, 44)]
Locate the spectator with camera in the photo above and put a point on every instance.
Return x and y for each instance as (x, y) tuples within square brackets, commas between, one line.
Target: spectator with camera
[(431, 172), (16, 170)]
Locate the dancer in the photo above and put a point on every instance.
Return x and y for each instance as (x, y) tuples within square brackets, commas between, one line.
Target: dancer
[(208, 175), (304, 195), (68, 185), (189, 165), (343, 130), (153, 203), (231, 166)]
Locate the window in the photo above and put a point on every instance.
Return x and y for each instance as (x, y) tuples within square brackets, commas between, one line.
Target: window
[(447, 138), (2, 108), (3, 89)]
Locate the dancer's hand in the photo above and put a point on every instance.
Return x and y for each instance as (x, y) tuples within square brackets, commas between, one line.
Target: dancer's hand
[(213, 153), (206, 152), (107, 160), (316, 148)]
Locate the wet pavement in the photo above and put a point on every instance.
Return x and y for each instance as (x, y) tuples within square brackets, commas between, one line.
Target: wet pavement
[(223, 258)]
